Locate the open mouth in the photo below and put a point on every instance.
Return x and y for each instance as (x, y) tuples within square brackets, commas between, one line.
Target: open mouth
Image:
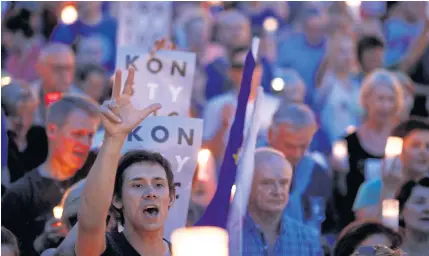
[(151, 210)]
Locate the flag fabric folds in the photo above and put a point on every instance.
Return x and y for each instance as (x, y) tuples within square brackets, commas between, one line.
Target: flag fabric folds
[(216, 213), (245, 171)]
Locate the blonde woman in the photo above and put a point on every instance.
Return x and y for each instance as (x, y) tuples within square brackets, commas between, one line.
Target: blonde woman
[(338, 95), (382, 100)]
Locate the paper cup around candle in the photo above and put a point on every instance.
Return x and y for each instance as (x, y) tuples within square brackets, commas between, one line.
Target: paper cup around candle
[(390, 213), (197, 241), (203, 159), (393, 147), (58, 212)]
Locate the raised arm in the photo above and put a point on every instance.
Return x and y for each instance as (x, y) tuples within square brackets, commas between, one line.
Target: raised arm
[(119, 118)]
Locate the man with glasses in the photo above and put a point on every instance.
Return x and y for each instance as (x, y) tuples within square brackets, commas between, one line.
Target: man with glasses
[(56, 67)]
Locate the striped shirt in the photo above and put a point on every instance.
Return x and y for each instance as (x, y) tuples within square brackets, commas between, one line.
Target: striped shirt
[(294, 239)]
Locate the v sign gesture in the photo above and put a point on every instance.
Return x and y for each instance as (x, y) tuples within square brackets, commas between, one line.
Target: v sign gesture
[(119, 117)]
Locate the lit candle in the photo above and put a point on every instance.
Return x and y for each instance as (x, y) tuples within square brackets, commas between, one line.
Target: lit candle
[(58, 212), (270, 24), (196, 241), (203, 158), (393, 149), (339, 151), (390, 212)]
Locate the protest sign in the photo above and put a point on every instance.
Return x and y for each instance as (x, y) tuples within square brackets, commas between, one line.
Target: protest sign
[(165, 78), (179, 140), (140, 24)]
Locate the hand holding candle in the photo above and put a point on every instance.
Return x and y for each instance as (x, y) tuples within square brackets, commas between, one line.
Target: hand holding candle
[(340, 155), (390, 213), (393, 150)]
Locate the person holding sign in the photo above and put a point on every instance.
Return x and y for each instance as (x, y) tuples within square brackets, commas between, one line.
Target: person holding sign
[(142, 185)]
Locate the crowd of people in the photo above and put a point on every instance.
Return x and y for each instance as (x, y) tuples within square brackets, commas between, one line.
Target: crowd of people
[(339, 82)]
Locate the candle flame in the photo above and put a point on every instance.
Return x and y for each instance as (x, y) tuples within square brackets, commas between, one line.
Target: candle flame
[(278, 84), (58, 212), (271, 24), (340, 149), (393, 147), (233, 191)]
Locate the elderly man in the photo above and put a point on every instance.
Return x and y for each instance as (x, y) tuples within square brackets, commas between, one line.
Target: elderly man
[(291, 133), (56, 67), (266, 230)]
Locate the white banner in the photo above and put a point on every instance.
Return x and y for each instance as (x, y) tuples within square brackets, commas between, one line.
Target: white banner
[(140, 24), (179, 140), (165, 78)]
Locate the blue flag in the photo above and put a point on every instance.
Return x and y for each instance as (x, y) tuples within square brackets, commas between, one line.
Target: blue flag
[(216, 213)]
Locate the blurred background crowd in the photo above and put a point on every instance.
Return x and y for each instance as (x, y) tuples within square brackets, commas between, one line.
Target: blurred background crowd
[(347, 75)]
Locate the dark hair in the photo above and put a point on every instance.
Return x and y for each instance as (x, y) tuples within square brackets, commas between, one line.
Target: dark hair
[(142, 156), (83, 71), (368, 43), (356, 232), (406, 190), (20, 22), (410, 125), (59, 111), (9, 239)]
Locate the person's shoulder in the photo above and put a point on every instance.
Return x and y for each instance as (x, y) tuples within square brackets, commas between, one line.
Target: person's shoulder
[(22, 188)]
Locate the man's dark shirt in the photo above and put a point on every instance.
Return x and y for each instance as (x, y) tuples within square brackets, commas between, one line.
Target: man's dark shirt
[(28, 204), (118, 245)]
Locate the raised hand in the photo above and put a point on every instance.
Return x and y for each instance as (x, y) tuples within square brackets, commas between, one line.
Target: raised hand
[(392, 174), (119, 117)]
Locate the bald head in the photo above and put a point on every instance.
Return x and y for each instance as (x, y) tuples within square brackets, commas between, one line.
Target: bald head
[(56, 65), (265, 157), (271, 182)]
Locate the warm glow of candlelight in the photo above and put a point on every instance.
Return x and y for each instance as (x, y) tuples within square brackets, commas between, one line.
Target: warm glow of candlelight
[(196, 241), (393, 147), (353, 3), (390, 213), (339, 149), (271, 24), (69, 14), (58, 212), (277, 84), (203, 158)]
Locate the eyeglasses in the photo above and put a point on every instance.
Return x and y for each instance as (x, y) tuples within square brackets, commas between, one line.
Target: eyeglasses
[(377, 250)]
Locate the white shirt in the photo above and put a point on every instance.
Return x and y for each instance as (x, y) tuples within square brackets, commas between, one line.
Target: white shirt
[(214, 108)]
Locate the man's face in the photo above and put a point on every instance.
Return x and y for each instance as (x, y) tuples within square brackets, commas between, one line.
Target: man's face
[(71, 143), (94, 85), (416, 152), (372, 59), (57, 72), (145, 196), (270, 187), (291, 142), (237, 73)]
